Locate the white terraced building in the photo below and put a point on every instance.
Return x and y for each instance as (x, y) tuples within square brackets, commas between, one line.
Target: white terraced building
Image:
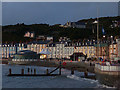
[(37, 46), (59, 50), (66, 49), (9, 49)]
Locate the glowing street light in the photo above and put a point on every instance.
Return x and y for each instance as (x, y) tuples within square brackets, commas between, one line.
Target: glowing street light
[(104, 36)]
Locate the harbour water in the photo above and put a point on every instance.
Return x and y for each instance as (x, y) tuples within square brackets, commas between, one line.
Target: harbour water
[(66, 80)]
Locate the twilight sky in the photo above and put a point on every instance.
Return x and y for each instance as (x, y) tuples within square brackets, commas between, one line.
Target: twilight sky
[(54, 12)]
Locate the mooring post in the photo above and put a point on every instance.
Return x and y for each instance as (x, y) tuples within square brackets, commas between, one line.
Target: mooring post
[(28, 70), (47, 71), (31, 70), (34, 71), (72, 71), (10, 71), (22, 71), (60, 69), (86, 73)]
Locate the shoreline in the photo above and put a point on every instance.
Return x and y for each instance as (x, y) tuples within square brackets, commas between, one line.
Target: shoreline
[(74, 65), (98, 76)]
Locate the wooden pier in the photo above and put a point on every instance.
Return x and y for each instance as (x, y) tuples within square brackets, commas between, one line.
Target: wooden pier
[(32, 72)]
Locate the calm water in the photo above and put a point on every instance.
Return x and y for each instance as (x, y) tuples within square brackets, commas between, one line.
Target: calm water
[(66, 80)]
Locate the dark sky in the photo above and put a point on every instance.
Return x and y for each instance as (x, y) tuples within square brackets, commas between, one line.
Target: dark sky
[(54, 12)]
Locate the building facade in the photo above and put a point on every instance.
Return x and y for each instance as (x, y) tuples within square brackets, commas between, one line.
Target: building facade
[(102, 50), (75, 24), (60, 50), (63, 49), (37, 46), (66, 49), (9, 49), (86, 48), (114, 49)]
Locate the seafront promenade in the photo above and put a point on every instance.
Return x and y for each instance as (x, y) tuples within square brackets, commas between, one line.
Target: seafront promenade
[(76, 65), (81, 66)]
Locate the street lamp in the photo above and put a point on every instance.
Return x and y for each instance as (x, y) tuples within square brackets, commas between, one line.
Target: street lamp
[(103, 36), (112, 45), (111, 36), (97, 22)]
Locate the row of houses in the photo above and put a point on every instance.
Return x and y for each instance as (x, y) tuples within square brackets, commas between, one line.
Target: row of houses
[(65, 49)]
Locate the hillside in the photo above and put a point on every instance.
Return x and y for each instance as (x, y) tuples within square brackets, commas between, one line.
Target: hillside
[(15, 33)]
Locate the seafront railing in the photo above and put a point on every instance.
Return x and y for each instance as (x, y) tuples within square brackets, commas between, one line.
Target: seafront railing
[(107, 68)]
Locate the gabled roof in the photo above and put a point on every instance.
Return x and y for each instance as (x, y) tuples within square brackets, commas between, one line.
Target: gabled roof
[(12, 45), (44, 51), (51, 45), (77, 54), (22, 52)]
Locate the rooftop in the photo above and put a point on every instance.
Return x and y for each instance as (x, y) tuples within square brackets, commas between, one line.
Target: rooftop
[(39, 42)]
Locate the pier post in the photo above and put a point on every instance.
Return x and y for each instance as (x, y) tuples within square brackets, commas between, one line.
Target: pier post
[(60, 69), (85, 73), (47, 71), (22, 71), (10, 71), (72, 71), (28, 70), (31, 70), (34, 71)]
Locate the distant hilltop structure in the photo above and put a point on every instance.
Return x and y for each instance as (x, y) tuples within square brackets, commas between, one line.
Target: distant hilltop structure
[(119, 8), (29, 34), (74, 25), (43, 38), (64, 39)]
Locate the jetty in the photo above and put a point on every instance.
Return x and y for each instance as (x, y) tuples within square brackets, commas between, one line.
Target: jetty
[(32, 72)]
